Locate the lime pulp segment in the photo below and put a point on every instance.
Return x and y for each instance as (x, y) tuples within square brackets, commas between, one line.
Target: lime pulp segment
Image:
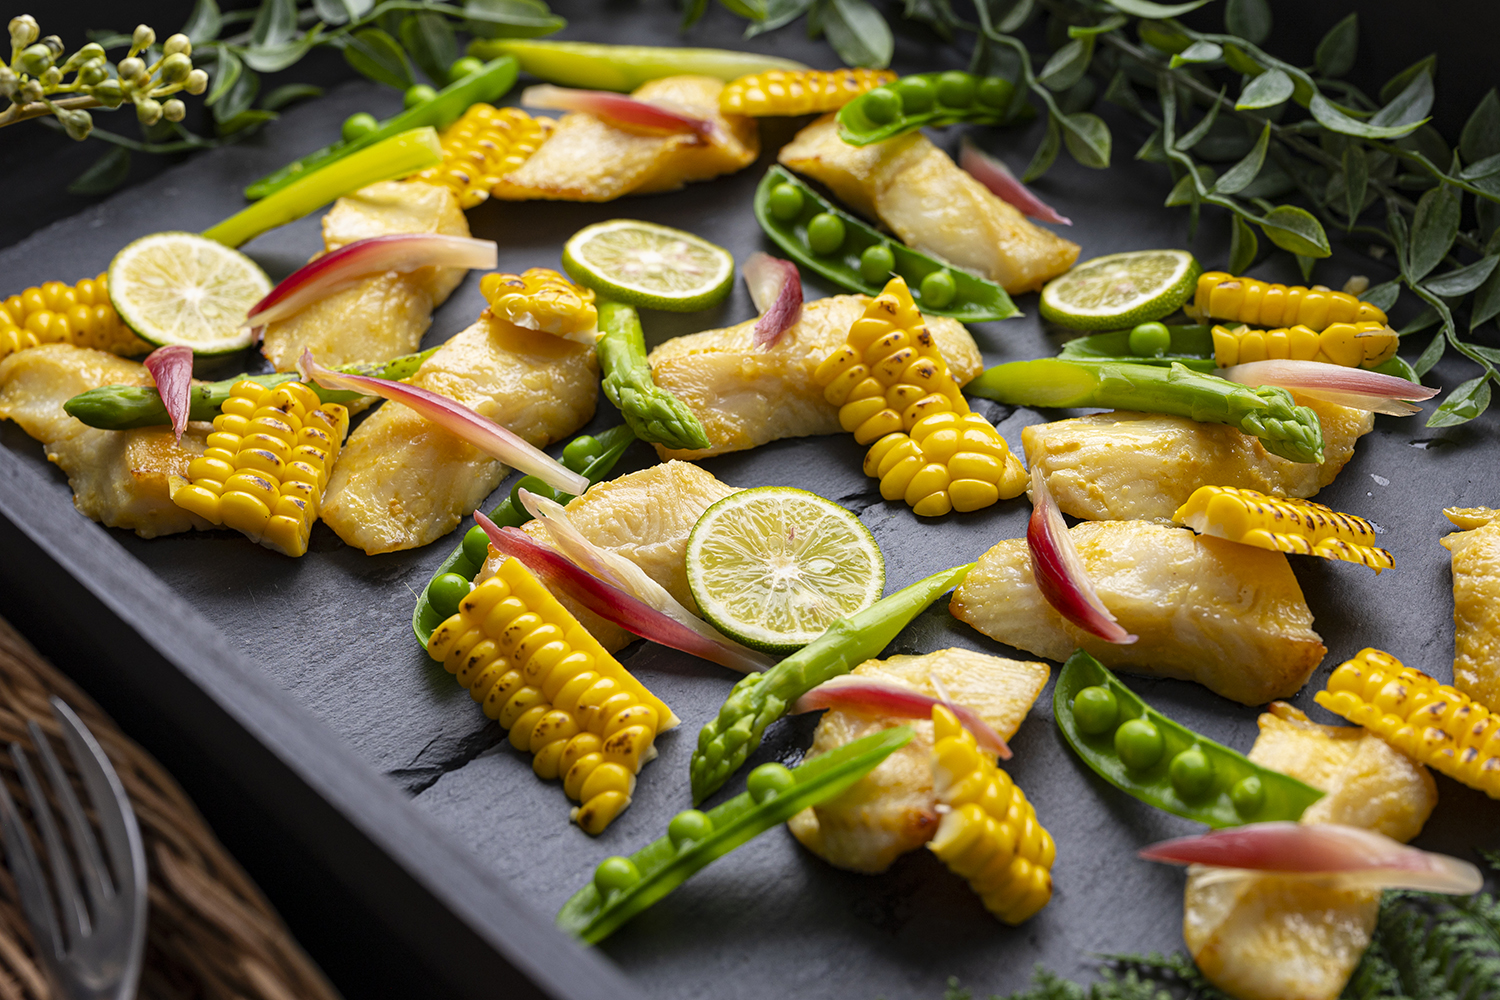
[(182, 288), (651, 261), (1121, 289)]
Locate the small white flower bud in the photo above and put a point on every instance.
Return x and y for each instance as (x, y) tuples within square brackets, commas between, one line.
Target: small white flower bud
[(174, 110), (178, 43), (197, 82), (143, 37)]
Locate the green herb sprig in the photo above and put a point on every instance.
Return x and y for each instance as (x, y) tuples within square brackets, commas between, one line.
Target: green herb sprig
[(1291, 153)]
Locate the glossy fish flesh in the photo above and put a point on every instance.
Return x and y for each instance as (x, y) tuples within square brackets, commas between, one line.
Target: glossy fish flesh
[(893, 809), (118, 478), (587, 160), (402, 481), (1476, 603), (921, 194), (746, 396), (385, 315), (1228, 616)]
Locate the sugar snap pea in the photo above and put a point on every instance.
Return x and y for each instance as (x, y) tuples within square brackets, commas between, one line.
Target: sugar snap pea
[(928, 99), (654, 414), (759, 699), (623, 887), (858, 257), (488, 83), (123, 407), (592, 455), (1267, 412), (1142, 752)]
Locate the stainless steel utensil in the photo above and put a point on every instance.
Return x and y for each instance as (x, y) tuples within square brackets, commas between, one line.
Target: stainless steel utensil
[(97, 953)]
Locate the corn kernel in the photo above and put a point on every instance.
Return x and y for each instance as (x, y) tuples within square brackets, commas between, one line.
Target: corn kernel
[(1245, 300), (1283, 524), (541, 299), (481, 146), (798, 92)]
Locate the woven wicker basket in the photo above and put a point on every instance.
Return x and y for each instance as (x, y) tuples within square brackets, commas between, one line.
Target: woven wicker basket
[(211, 933)]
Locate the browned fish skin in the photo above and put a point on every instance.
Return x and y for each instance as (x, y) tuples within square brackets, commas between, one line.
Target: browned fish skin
[(893, 809), (1228, 616), (932, 205), (1266, 937), (1476, 603), (402, 481), (1143, 466), (119, 478), (385, 315), (586, 160), (746, 396)]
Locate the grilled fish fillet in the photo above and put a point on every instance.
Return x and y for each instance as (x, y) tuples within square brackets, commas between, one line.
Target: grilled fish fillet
[(746, 396), (1228, 616), (383, 316), (1143, 466), (119, 478), (402, 481), (644, 516), (586, 160), (1265, 937), (932, 205), (892, 809), (1476, 603)]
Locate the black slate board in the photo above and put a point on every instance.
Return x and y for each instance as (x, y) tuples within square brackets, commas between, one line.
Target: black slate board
[(770, 919)]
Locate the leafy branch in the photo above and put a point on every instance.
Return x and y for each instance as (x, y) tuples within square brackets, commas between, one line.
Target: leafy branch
[(1289, 153)]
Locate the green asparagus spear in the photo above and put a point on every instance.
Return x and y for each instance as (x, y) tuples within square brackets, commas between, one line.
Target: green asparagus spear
[(1266, 412), (654, 414), (122, 407), (760, 699)]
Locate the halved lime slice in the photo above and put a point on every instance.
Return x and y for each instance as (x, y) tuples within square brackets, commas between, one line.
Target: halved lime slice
[(654, 267), (774, 567), (182, 288), (1121, 290)]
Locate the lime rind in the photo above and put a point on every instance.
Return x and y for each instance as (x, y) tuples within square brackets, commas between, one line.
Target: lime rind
[(183, 288), (773, 567), (1121, 290), (649, 265)]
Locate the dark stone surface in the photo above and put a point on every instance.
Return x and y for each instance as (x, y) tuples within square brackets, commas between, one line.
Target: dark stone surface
[(332, 628)]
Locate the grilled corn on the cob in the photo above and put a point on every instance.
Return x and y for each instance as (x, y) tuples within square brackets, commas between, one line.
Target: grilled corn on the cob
[(541, 299), (1431, 723), (484, 144), (541, 675), (1282, 524), (1259, 303), (798, 92), (1354, 345), (58, 313)]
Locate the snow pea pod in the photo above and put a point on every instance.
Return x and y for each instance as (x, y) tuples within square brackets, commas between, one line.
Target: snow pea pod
[(927, 99), (860, 258), (1192, 346), (1163, 763), (487, 84), (597, 66), (598, 455), (623, 887)]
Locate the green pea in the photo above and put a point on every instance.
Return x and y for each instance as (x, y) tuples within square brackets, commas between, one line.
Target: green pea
[(1192, 773), (786, 201), (938, 289), (476, 546), (445, 591), (917, 94), (1248, 796), (359, 125), (689, 827), (876, 263), (768, 781), (1096, 710), (614, 874), (581, 451), (1138, 744), (1150, 340), (418, 94), (882, 105), (463, 67), (956, 89), (531, 484), (825, 233), (996, 92)]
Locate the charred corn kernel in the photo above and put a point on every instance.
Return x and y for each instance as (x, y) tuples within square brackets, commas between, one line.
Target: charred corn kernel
[(990, 834), (798, 92), (1432, 723), (485, 143), (1257, 303), (267, 463), (56, 313), (542, 299), (1365, 344), (894, 391), (541, 675), (1283, 524)]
